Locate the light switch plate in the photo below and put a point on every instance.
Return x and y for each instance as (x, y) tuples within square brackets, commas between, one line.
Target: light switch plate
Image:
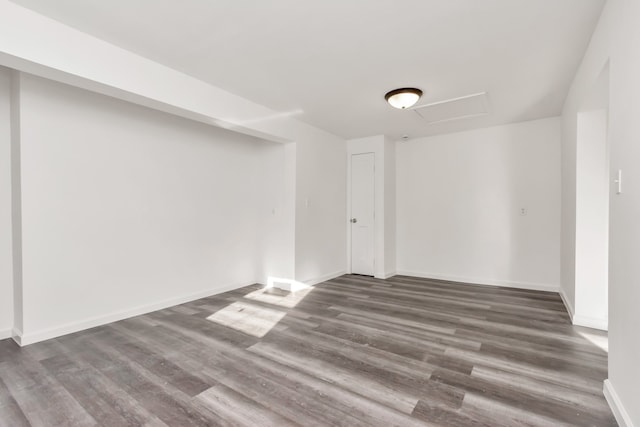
[(618, 181)]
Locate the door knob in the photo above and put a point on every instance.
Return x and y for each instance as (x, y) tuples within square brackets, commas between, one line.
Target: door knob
[(353, 220)]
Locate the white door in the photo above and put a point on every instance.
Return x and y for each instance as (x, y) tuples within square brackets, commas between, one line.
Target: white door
[(362, 209)]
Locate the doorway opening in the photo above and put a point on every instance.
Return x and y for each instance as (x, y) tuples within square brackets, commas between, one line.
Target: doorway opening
[(592, 208)]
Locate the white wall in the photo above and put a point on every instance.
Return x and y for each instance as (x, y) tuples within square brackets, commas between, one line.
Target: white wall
[(6, 278), (459, 198), (318, 165), (592, 220), (624, 237), (389, 207), (582, 88), (320, 240), (125, 208), (16, 206), (277, 203), (585, 203), (616, 40)]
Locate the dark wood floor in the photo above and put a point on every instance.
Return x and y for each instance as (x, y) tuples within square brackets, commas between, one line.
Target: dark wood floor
[(353, 351)]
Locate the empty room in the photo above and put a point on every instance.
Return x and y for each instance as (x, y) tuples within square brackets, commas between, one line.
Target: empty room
[(329, 213)]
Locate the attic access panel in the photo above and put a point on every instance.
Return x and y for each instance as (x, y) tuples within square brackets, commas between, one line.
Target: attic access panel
[(454, 109)]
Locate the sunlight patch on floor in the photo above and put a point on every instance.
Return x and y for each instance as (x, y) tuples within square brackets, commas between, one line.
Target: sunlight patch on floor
[(279, 297), (599, 340), (248, 318)]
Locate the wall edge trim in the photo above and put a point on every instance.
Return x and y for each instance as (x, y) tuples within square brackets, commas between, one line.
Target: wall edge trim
[(33, 337), (387, 275), (324, 278), (591, 322), (567, 304), (16, 335), (621, 415), (484, 282)]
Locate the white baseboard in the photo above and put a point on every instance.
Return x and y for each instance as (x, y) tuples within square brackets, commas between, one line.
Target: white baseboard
[(33, 337), (315, 281), (292, 285), (567, 304), (487, 282), (16, 335), (5, 333), (579, 320), (622, 416), (590, 322), (387, 275)]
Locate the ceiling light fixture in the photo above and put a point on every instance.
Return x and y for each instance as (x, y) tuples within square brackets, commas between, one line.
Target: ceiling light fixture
[(403, 98)]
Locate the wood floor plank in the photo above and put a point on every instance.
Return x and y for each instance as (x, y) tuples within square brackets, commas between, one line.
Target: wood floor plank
[(10, 413), (105, 402), (335, 402), (238, 409), (360, 384), (41, 398), (164, 402), (509, 394), (158, 364), (353, 351)]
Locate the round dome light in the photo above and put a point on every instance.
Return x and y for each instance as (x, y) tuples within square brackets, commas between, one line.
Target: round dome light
[(403, 98)]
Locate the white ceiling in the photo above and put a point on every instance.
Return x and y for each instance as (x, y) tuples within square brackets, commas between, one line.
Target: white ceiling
[(330, 62)]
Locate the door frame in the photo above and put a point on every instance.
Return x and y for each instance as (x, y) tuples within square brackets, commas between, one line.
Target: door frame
[(350, 213), (375, 145)]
